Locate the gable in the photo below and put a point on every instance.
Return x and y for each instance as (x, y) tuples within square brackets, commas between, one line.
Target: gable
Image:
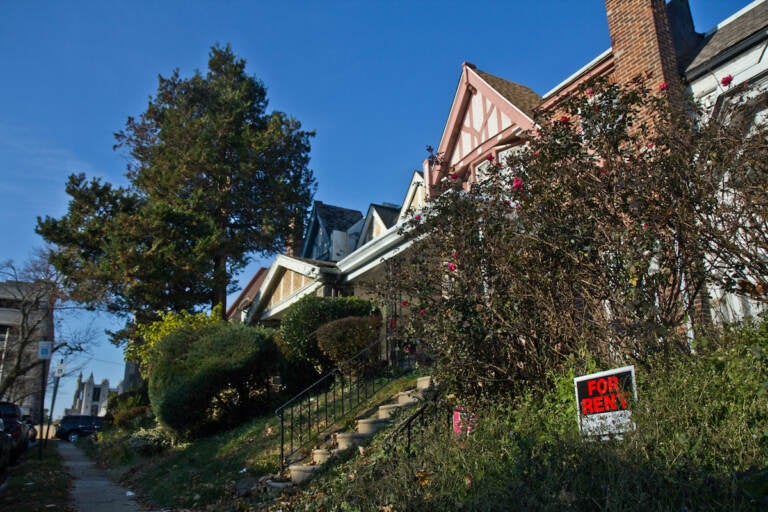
[(289, 283), (415, 198), (483, 115), (314, 238), (288, 279), (247, 295), (323, 239)]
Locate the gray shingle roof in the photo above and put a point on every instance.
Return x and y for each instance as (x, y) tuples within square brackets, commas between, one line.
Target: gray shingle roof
[(388, 214), (335, 217), (727, 36)]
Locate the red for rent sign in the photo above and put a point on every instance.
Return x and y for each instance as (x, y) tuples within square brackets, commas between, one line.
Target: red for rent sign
[(604, 400)]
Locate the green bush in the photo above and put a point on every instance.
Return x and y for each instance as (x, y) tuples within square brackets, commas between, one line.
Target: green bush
[(133, 418), (298, 328), (149, 441), (131, 410), (211, 377), (342, 339)]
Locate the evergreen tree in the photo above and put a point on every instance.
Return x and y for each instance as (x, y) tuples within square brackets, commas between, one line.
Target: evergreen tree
[(214, 178)]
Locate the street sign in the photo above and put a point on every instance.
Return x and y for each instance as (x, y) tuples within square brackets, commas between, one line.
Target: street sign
[(604, 401), (44, 349)]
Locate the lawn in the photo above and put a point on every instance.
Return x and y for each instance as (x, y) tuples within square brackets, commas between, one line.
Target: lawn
[(36, 484)]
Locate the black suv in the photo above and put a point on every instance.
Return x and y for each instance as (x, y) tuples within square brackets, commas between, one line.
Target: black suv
[(74, 426)]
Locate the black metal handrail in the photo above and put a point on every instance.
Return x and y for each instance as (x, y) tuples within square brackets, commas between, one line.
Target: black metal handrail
[(425, 416), (330, 398)]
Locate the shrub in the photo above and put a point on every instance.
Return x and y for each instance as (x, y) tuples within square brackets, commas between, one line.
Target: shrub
[(342, 339), (135, 417), (169, 323), (298, 329), (212, 377), (600, 232), (149, 441)]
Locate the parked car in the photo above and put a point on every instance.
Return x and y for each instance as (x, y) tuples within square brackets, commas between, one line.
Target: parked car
[(6, 447), (74, 426), (14, 425), (32, 428)]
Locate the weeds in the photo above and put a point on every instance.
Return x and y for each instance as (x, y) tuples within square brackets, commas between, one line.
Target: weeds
[(701, 444)]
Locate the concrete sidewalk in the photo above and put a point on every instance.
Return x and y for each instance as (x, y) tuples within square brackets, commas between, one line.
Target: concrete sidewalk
[(92, 491)]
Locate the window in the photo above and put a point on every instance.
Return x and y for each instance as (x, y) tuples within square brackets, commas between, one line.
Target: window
[(96, 394)]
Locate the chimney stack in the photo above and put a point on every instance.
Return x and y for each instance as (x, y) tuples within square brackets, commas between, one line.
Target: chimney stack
[(641, 40)]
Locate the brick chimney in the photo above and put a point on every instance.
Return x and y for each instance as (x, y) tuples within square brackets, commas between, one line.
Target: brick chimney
[(641, 40)]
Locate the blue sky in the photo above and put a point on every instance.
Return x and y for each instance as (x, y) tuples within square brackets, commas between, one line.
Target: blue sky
[(374, 79)]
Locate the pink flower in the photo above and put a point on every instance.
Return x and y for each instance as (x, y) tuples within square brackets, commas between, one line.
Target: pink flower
[(404, 303), (645, 226), (453, 176), (517, 184), (417, 216), (663, 86), (393, 322), (590, 92), (451, 266), (490, 158), (726, 80), (650, 145), (453, 255), (422, 312), (536, 153), (565, 119)]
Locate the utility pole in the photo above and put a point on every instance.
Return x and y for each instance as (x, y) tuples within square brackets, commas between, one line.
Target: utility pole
[(44, 352)]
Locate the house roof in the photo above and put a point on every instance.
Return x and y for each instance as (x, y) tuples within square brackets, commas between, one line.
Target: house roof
[(521, 96), (744, 24), (324, 220), (336, 218), (310, 268), (249, 292), (387, 213)]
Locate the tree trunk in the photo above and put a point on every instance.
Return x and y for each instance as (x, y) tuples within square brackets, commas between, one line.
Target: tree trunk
[(220, 283)]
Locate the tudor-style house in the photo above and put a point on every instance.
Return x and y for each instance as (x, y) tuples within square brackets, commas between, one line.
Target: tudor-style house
[(489, 115)]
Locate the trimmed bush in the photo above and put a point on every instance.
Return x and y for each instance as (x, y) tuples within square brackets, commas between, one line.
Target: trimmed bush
[(298, 329), (213, 377), (342, 339)]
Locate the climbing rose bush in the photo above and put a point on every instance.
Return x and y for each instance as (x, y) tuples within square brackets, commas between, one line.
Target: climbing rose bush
[(597, 240)]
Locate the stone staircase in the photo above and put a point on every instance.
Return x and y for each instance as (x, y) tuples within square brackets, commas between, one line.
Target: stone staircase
[(366, 427)]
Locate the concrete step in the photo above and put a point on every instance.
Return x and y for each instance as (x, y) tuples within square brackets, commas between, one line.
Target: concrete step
[(371, 425), (321, 455), (408, 397), (301, 472), (424, 383), (346, 440), (385, 411)]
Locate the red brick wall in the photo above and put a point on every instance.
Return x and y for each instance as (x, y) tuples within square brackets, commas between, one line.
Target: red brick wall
[(641, 40)]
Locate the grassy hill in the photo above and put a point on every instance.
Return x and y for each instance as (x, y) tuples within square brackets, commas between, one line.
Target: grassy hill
[(701, 443)]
